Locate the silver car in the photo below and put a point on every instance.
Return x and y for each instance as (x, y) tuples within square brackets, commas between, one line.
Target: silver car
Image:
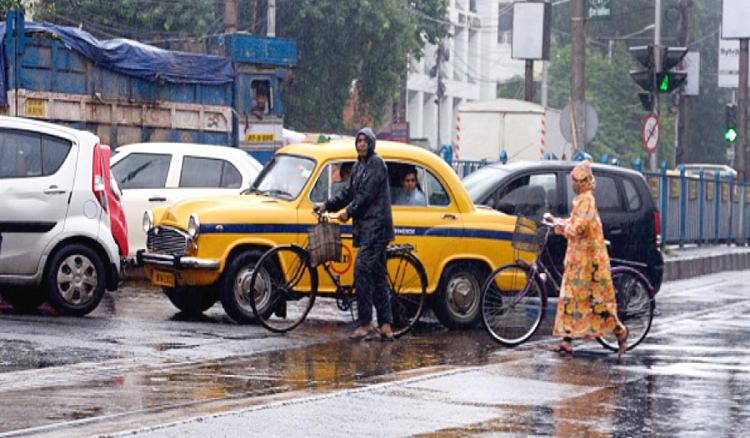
[(57, 243)]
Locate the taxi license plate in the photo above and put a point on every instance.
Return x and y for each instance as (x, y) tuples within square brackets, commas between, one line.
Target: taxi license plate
[(165, 279)]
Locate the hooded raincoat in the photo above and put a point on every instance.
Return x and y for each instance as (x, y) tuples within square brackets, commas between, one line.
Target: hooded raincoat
[(587, 307)]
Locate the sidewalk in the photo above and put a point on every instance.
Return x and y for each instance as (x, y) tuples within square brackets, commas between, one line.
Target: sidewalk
[(693, 261)]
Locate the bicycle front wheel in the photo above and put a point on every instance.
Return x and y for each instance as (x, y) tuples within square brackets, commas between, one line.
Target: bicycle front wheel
[(407, 286), (512, 304), (284, 286), (635, 308)]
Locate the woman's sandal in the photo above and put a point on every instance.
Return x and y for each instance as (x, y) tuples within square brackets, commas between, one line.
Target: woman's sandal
[(622, 342), (562, 348)]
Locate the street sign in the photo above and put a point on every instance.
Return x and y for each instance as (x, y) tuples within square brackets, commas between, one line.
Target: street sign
[(650, 133), (599, 9), (591, 123)]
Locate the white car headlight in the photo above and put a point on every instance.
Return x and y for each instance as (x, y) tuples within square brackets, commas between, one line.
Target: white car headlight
[(148, 221), (194, 226)]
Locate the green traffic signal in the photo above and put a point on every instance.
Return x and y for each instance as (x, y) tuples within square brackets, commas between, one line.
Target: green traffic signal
[(730, 135), (664, 85)]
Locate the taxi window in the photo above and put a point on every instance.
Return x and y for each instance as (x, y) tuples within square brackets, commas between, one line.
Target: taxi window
[(332, 179), (414, 186)]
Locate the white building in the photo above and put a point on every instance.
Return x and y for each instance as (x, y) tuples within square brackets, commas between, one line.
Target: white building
[(479, 59)]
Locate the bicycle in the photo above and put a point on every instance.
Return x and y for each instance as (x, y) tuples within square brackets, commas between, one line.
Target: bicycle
[(514, 297), (285, 286)]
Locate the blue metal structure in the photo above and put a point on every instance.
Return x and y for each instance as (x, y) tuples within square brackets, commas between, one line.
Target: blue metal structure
[(51, 79)]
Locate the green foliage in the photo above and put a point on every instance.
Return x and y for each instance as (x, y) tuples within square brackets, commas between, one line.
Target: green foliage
[(367, 41), (5, 5)]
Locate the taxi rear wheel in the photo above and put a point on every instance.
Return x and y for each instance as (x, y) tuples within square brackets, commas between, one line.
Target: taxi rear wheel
[(235, 295), (192, 300), (457, 301)]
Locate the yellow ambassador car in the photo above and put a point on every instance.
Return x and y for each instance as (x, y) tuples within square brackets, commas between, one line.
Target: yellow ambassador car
[(202, 250)]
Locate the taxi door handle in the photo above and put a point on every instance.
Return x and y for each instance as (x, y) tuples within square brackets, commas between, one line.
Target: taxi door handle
[(448, 216), (157, 199)]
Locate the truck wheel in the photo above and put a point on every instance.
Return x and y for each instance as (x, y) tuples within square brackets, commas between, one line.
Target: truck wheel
[(235, 294), (456, 303), (23, 300), (192, 300), (75, 280)]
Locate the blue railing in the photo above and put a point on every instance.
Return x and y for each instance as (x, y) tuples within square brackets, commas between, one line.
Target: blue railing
[(694, 209)]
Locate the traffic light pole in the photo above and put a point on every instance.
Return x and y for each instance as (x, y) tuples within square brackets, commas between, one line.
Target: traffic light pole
[(657, 66), (740, 151)]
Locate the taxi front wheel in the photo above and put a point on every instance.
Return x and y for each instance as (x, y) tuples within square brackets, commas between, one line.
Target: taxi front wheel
[(456, 303), (235, 292)]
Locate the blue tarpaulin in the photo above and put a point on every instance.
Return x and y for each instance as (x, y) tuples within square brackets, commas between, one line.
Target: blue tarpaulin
[(130, 58)]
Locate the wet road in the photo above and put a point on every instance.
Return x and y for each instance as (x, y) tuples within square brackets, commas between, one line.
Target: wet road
[(135, 364)]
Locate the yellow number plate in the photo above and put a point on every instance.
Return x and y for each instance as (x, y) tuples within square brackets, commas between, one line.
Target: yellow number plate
[(165, 279), (260, 138), (34, 107)]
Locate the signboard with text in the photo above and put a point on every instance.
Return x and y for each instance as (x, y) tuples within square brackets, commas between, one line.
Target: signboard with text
[(599, 9)]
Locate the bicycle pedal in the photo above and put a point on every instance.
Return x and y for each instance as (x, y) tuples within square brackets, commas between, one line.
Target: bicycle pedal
[(280, 310)]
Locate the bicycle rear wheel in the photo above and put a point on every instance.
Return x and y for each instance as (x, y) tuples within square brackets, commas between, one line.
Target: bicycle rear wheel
[(635, 308), (407, 286), (512, 305), (282, 299)]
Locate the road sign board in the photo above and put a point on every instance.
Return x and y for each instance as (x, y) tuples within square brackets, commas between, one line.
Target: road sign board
[(591, 123), (650, 132)]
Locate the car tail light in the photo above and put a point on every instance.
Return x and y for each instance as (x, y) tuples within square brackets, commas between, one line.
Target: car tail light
[(657, 227), (97, 179)]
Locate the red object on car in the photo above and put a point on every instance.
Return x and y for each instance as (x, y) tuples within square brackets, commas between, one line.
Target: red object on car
[(116, 214)]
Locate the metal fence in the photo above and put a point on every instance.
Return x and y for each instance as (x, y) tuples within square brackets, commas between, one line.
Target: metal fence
[(694, 209)]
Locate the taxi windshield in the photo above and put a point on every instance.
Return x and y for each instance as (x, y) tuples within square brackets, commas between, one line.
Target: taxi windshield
[(283, 177)]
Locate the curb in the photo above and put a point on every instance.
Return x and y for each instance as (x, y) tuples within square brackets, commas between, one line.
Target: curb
[(693, 266)]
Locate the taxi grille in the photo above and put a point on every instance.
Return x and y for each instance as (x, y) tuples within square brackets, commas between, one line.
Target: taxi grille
[(166, 240)]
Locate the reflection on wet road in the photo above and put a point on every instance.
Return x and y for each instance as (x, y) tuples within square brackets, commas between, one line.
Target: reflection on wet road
[(135, 364)]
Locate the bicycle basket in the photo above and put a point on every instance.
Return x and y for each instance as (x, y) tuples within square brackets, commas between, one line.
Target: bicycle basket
[(324, 243), (526, 236)]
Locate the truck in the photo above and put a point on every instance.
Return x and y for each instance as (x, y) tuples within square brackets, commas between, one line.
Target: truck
[(522, 130), (223, 89)]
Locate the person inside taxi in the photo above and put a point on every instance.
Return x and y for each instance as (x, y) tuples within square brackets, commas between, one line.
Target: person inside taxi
[(367, 200), (345, 171), (410, 193)]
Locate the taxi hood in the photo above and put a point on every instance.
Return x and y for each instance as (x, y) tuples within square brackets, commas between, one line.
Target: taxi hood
[(227, 209)]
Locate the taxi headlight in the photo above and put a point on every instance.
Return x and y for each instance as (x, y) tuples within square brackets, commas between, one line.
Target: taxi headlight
[(194, 226), (148, 221)]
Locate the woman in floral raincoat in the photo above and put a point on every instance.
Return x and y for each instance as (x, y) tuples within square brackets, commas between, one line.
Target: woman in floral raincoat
[(587, 306)]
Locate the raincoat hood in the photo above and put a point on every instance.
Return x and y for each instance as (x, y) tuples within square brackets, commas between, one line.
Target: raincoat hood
[(367, 132), (582, 174)]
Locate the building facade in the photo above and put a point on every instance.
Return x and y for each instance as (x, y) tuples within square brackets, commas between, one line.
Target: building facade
[(474, 60)]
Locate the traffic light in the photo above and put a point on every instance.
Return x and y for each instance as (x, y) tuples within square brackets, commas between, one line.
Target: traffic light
[(730, 134), (645, 56), (667, 80), (663, 81)]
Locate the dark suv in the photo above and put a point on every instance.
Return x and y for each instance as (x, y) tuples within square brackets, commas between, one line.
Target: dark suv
[(629, 217)]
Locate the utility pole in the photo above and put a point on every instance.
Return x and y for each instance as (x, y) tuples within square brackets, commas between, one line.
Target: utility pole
[(740, 151), (682, 138), (528, 88), (440, 88), (577, 68), (230, 16), (657, 62), (271, 19)]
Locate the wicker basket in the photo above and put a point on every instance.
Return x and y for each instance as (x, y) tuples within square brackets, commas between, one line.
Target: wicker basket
[(526, 236), (324, 243)]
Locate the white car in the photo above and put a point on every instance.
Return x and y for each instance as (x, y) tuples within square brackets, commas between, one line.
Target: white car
[(155, 174), (57, 244)]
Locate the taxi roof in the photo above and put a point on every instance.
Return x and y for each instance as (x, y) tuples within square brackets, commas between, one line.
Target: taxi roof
[(390, 150)]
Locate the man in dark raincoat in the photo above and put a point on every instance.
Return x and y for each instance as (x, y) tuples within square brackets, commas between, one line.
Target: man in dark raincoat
[(367, 200)]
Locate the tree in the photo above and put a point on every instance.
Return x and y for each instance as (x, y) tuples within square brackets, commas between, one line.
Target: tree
[(339, 42)]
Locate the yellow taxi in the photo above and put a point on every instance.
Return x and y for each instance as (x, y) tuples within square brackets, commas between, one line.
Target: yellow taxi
[(202, 250)]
